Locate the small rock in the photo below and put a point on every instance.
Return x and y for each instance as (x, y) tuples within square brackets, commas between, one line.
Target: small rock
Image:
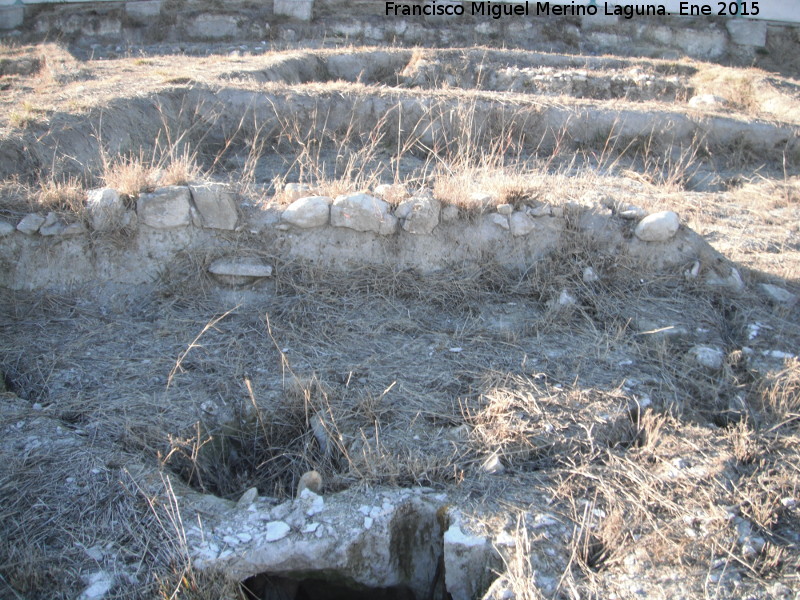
[(276, 530), (632, 213), (30, 224), (6, 229), (311, 211), (240, 267), (247, 498), (708, 357), (499, 220), (543, 210), (589, 275), (778, 294), (51, 226), (658, 227), (566, 299), (505, 209), (733, 281), (295, 191), (521, 224), (493, 465)]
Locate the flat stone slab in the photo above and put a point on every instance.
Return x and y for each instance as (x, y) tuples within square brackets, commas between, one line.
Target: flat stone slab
[(235, 267)]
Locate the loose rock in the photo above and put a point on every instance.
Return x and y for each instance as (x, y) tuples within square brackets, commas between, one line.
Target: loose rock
[(30, 224), (105, 209), (165, 208), (708, 357), (778, 294), (521, 224), (216, 205), (420, 214), (362, 212), (658, 227)]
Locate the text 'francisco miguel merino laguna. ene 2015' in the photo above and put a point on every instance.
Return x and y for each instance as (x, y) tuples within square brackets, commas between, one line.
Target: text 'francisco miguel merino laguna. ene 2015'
[(498, 10)]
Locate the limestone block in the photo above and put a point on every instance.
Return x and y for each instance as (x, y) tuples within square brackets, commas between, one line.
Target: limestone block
[(521, 224), (362, 212), (213, 26), (216, 205), (747, 32), (30, 223), (420, 214), (302, 10), (105, 209), (658, 227), (165, 208), (311, 211)]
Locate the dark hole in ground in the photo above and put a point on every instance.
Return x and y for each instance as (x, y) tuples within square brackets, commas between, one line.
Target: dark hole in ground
[(272, 587)]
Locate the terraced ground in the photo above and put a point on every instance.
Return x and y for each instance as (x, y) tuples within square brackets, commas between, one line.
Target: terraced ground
[(588, 431)]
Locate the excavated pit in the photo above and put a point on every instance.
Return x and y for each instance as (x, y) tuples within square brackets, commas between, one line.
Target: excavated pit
[(444, 355)]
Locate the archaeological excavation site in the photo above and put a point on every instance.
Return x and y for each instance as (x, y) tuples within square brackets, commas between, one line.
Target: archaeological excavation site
[(303, 300)]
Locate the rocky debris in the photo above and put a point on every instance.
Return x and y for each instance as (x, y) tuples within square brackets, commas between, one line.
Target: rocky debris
[(295, 191), (707, 101), (778, 294), (521, 224), (362, 212), (419, 215), (52, 225), (216, 204), (658, 227), (239, 271), (165, 208), (466, 558), (311, 211), (710, 358), (6, 229), (105, 209), (30, 223), (375, 539)]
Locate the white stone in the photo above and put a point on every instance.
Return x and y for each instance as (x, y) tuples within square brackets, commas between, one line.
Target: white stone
[(100, 583), (778, 294), (747, 32), (658, 227), (589, 275), (6, 229), (302, 10), (362, 212), (314, 503), (311, 211), (733, 281), (707, 101), (276, 530), (543, 210), (240, 267), (30, 223), (247, 498), (566, 299), (216, 204), (521, 224), (505, 209), (105, 209), (492, 465), (708, 357), (52, 225), (166, 208), (420, 214), (498, 219)]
